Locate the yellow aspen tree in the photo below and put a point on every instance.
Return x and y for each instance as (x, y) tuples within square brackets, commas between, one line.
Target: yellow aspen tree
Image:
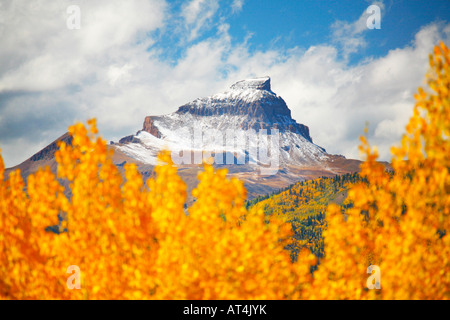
[(399, 220)]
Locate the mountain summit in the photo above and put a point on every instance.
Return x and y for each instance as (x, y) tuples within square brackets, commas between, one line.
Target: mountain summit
[(252, 100), (249, 107), (263, 135), (262, 83)]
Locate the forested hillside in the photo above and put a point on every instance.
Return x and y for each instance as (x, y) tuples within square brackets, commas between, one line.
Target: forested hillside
[(304, 205)]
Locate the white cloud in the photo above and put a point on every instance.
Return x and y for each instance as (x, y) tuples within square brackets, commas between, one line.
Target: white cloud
[(53, 76), (349, 36), (35, 36), (198, 14), (237, 5), (119, 74)]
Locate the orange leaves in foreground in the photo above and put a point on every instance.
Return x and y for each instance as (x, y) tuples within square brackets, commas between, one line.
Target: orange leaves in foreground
[(135, 240), (400, 220)]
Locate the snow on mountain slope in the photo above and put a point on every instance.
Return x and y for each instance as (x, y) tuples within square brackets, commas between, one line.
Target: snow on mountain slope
[(248, 129), (248, 121)]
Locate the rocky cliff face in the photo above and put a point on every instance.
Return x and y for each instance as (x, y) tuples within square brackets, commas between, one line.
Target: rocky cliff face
[(248, 106), (252, 99), (150, 127)]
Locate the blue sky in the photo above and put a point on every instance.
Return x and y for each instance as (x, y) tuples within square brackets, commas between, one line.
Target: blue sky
[(130, 59), (288, 24)]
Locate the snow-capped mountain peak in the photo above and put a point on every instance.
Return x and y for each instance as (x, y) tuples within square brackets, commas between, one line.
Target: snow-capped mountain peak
[(249, 111)]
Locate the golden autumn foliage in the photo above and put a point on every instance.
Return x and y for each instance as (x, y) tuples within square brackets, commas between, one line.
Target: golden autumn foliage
[(304, 206), (400, 221), (136, 240)]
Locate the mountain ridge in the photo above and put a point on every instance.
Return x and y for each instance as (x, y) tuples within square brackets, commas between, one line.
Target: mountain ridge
[(249, 107), (253, 98)]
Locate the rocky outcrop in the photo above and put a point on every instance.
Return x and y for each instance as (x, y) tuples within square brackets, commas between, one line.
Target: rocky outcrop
[(127, 139), (150, 127), (49, 151)]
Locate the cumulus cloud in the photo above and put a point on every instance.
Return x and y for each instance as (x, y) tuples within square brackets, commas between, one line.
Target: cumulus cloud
[(51, 77), (339, 99), (198, 14), (35, 36), (349, 36)]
